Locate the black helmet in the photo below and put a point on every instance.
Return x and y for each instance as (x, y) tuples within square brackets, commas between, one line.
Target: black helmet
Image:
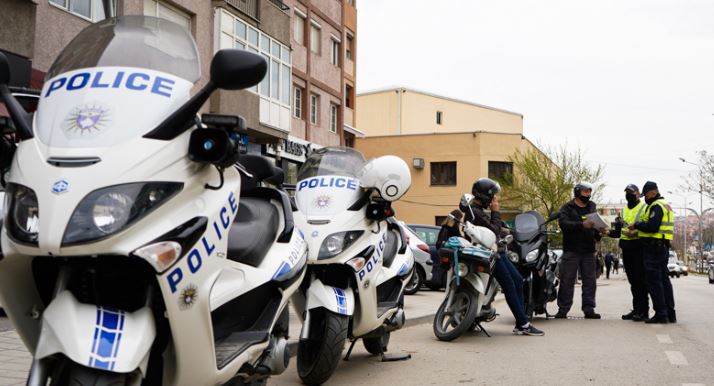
[(580, 186), (484, 189)]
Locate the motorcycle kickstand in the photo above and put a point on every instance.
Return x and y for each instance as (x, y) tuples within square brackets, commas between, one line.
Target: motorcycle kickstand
[(394, 357), (349, 351), (480, 326)]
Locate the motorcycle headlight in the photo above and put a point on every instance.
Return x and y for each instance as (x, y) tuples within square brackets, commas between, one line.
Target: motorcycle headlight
[(463, 269), (109, 210), (532, 256), (513, 256), (22, 214), (335, 243)]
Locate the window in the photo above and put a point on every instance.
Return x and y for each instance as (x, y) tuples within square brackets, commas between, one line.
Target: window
[(349, 46), (500, 171), (297, 102), (164, 11), (335, 52), (349, 96), (443, 173), (299, 33), (333, 118), (438, 117), (314, 100), (438, 220), (274, 90), (91, 10), (314, 37)]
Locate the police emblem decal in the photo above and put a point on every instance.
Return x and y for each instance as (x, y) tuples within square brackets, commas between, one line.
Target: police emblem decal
[(323, 202), (188, 297), (61, 186), (86, 120)]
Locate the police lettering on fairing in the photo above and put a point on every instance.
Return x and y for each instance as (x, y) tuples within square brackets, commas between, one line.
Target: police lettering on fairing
[(328, 182), (374, 260), (127, 80), (194, 259)]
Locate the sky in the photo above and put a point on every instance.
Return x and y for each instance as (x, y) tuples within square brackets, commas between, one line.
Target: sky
[(631, 83)]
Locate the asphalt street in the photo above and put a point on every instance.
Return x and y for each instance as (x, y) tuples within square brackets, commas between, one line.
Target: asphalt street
[(573, 352)]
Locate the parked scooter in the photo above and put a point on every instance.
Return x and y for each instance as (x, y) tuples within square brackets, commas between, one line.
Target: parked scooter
[(535, 262), (135, 250), (359, 259), (470, 288)]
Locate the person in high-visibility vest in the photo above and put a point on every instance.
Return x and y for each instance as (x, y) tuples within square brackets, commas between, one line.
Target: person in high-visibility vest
[(656, 232), (631, 246)]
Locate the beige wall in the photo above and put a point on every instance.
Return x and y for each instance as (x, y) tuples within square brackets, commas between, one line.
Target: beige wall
[(471, 151), (410, 112)]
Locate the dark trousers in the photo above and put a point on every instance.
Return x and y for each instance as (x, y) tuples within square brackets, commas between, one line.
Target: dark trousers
[(635, 271), (607, 270), (570, 263), (511, 283), (656, 255)]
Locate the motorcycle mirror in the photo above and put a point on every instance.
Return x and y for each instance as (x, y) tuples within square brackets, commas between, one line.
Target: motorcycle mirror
[(508, 239), (233, 69)]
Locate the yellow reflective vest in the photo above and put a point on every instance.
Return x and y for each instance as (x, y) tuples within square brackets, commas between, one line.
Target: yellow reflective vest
[(631, 216), (666, 229)]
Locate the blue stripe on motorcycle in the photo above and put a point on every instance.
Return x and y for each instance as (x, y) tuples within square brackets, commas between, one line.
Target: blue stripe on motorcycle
[(107, 337), (341, 301)]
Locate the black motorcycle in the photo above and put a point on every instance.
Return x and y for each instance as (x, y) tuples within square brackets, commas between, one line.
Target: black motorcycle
[(536, 263)]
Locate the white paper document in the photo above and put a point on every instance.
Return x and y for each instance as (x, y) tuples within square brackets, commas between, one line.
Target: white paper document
[(598, 220)]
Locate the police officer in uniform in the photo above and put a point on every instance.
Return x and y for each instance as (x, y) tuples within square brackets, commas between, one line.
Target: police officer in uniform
[(656, 232), (631, 246)]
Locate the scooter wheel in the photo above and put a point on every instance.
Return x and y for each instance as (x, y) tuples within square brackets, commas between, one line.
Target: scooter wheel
[(319, 354), (452, 323), (376, 346)]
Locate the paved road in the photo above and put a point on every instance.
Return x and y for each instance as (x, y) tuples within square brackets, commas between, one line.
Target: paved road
[(574, 351)]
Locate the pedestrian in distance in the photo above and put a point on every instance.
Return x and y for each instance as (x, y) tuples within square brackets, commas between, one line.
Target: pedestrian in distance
[(656, 230), (615, 265), (608, 265), (484, 191), (579, 238), (450, 227)]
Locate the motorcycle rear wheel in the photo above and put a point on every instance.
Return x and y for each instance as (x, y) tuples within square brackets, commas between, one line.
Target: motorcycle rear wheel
[(376, 346), (319, 354), (460, 317)]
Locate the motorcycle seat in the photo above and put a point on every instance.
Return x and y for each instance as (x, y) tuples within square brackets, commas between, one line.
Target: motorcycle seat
[(262, 171), (254, 230), (390, 248)]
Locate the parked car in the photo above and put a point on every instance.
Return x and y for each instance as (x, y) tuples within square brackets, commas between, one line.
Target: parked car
[(683, 268), (422, 258), (674, 268), (429, 234), (711, 271)]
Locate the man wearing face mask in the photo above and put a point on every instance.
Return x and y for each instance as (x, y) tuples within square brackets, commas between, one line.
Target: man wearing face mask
[(656, 231), (579, 238), (631, 246)]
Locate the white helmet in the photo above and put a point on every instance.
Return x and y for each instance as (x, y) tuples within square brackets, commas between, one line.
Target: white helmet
[(389, 175)]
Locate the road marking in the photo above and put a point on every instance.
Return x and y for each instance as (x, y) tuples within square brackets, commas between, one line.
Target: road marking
[(664, 338), (676, 358)]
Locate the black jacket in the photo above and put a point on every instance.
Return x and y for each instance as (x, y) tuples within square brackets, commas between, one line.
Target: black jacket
[(575, 237), (653, 223), (445, 233), (492, 222)]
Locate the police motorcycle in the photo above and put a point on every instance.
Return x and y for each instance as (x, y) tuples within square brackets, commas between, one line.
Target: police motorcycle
[(470, 288), (531, 256), (135, 249), (359, 259)]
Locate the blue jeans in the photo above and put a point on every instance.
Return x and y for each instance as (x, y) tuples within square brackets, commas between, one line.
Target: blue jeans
[(511, 283)]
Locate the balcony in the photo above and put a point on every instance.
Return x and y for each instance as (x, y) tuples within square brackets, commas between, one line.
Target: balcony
[(248, 7), (280, 4)]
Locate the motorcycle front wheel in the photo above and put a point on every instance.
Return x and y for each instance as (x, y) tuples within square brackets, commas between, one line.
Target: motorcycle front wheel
[(452, 323), (319, 354), (74, 374)]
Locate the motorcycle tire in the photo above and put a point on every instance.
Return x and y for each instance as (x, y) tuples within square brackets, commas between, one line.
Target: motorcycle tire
[(415, 283), (376, 346), (319, 354), (78, 375), (465, 305)]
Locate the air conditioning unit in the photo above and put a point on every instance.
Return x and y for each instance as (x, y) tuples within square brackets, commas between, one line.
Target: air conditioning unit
[(418, 163)]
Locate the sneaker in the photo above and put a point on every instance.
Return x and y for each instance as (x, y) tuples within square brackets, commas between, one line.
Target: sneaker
[(530, 330), (592, 315), (657, 319), (561, 315), (641, 317), (672, 316), (629, 316)]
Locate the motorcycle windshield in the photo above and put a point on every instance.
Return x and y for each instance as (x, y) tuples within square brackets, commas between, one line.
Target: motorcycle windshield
[(328, 181), (528, 225), (116, 80)]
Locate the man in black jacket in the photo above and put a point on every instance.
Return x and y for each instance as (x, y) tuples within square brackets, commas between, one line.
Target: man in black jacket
[(579, 238)]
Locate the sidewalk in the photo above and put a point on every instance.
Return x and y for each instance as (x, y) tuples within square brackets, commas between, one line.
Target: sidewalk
[(15, 360)]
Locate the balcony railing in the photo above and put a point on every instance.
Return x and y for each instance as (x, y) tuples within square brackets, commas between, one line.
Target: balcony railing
[(249, 7), (280, 5)]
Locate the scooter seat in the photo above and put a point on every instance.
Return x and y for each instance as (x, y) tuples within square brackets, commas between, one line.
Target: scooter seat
[(253, 231)]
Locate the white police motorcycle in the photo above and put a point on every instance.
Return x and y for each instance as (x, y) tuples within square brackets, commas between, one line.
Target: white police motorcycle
[(135, 250), (359, 260), (470, 286)]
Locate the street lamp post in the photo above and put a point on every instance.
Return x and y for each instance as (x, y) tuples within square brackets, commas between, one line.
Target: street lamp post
[(684, 224), (701, 207)]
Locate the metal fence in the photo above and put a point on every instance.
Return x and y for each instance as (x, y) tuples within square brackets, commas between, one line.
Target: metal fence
[(249, 7)]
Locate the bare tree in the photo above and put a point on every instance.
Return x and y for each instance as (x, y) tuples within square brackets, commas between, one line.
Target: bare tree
[(704, 175)]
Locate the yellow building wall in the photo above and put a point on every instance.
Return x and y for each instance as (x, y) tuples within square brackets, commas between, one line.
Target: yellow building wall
[(403, 111), (471, 151)]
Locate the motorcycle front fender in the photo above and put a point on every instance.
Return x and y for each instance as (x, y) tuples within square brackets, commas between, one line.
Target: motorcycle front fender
[(338, 300), (95, 336)]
